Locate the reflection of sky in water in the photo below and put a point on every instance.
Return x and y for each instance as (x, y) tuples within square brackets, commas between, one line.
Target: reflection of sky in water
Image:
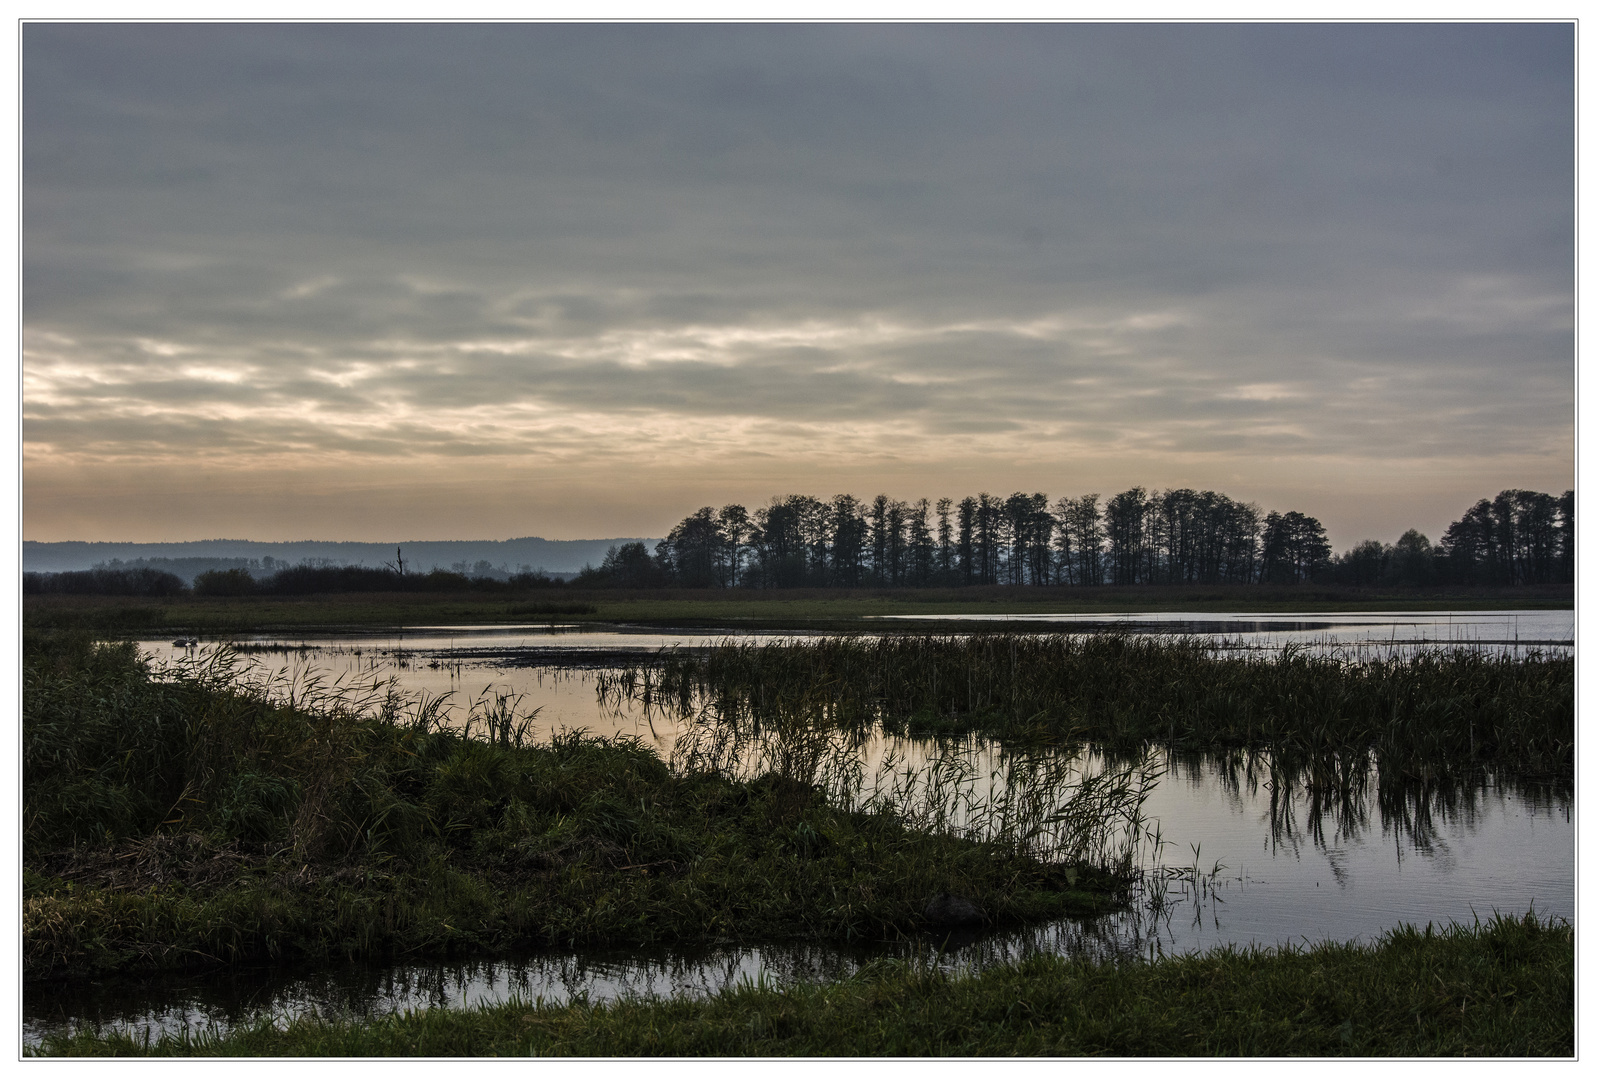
[(1290, 876), (1319, 628)]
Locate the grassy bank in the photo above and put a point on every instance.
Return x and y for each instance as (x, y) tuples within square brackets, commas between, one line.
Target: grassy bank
[(1417, 716), (199, 821), (1503, 989), (815, 609)]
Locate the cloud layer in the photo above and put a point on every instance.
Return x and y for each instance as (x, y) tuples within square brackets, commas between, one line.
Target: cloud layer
[(290, 280)]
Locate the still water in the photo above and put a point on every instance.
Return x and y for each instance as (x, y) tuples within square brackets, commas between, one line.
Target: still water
[(1320, 630), (554, 666), (1242, 861)]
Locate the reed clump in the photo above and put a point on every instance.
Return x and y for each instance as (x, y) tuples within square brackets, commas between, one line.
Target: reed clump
[(1417, 714), (201, 819)]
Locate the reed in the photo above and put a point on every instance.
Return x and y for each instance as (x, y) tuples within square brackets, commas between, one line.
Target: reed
[(1418, 715), (201, 818)]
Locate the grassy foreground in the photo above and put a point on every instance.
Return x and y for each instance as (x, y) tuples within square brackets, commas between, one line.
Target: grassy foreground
[(1503, 989), (197, 821)]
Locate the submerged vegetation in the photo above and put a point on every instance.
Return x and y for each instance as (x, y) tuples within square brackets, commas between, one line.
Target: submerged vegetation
[(197, 819), (1505, 988), (1418, 715)]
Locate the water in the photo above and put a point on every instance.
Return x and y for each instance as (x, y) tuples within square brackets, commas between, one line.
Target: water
[(1242, 862), (554, 666), (1234, 872), (1345, 629)]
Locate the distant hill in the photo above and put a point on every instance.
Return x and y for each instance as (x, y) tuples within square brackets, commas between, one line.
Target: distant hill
[(558, 558)]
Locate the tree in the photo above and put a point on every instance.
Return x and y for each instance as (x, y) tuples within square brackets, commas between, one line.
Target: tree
[(1566, 537), (848, 541), (945, 539), (1363, 564), (626, 567), (967, 541), (1124, 518), (1518, 538), (1295, 547), (1079, 541), (735, 528), (922, 549), (1412, 561), (988, 518), (1470, 546), (693, 551)]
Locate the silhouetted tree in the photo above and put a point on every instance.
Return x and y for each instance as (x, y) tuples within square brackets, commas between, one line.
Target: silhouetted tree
[(922, 549), (734, 528), (848, 541), (1295, 547), (1566, 537), (945, 540), (1411, 561), (1125, 517), (1362, 564), (692, 553), (967, 541)]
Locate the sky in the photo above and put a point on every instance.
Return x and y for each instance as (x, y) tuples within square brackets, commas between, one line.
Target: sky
[(382, 282)]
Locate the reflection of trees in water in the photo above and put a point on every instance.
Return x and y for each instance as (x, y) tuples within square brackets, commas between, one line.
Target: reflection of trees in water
[(1324, 801), (1337, 799), (1330, 801)]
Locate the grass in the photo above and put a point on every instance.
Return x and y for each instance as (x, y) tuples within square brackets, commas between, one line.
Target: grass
[(1415, 716), (816, 609), (1505, 988), (198, 820)]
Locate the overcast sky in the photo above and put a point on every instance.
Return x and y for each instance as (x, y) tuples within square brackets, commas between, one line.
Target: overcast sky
[(451, 282)]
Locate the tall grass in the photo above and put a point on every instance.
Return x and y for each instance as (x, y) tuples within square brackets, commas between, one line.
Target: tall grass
[(204, 818), (1069, 807), (1416, 715)]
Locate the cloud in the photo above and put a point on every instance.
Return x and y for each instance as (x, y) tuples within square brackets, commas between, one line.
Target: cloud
[(340, 247)]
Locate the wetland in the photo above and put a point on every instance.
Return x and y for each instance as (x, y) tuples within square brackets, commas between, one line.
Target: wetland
[(450, 818)]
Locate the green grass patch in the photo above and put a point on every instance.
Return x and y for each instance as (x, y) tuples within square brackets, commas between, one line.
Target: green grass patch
[(198, 820), (1503, 989)]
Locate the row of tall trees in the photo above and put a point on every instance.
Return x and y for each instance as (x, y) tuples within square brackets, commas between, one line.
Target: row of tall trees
[(1179, 536), (1176, 536), (1518, 538)]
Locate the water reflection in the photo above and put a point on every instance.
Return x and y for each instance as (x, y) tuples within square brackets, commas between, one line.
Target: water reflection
[(1249, 852), (1356, 629)]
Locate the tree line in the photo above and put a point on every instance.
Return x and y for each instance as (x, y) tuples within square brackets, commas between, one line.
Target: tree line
[(1138, 537), (1179, 536), (303, 579), (1519, 538)]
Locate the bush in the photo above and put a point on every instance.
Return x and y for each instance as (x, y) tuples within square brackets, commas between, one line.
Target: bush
[(234, 582), (102, 581)]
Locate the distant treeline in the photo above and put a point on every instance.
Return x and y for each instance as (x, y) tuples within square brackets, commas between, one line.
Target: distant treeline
[(1178, 537), (1137, 537), (301, 580)]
